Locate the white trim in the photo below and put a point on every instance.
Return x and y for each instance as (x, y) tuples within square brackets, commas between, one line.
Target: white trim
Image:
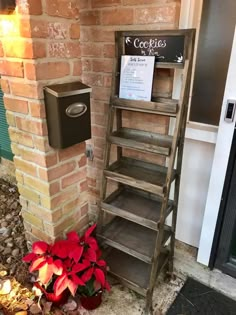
[(220, 162)]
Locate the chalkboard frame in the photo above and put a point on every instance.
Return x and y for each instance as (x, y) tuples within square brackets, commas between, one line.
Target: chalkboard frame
[(122, 43)]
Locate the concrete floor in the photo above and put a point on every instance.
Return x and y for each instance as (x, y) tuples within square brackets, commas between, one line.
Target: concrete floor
[(123, 301)]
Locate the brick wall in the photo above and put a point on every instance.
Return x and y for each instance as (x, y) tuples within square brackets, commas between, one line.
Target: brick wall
[(39, 45), (99, 19)]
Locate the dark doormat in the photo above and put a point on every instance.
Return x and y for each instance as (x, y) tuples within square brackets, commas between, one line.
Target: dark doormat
[(196, 298)]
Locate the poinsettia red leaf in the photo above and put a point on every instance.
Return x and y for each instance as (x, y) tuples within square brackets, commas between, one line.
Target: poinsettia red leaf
[(29, 257), (37, 263), (101, 263), (57, 267), (46, 273), (89, 231), (90, 255), (39, 248), (60, 284), (60, 249), (87, 275), (76, 253), (92, 243), (100, 276), (72, 286), (79, 267), (77, 280), (107, 286), (73, 236)]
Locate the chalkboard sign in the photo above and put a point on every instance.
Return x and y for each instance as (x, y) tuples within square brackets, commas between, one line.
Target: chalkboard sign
[(164, 48)]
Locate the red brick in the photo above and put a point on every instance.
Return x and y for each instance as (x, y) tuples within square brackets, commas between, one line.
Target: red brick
[(24, 49), (57, 30), (117, 17), (96, 35), (41, 143), (93, 79), (25, 167), (105, 3), (64, 49), (109, 51), (63, 8), (107, 80), (20, 137), (72, 152), (98, 131), (47, 70), (143, 2), (75, 31), (34, 28), (82, 161), (26, 90), (77, 68), (90, 17), (16, 105), (102, 65), (91, 50), (74, 178), (102, 94), (31, 7), (1, 50), (35, 127), (57, 172), (161, 14), (5, 86), (84, 186), (63, 197), (39, 159), (37, 110), (11, 68), (86, 65)]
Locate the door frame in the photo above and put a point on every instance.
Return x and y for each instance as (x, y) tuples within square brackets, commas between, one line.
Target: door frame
[(219, 166)]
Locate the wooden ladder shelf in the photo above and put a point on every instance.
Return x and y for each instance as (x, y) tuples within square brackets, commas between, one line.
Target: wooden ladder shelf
[(132, 219)]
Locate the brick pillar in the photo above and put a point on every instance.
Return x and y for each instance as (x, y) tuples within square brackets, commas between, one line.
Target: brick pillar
[(39, 46)]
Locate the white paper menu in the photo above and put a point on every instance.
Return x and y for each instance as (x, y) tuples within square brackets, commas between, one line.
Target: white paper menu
[(136, 77)]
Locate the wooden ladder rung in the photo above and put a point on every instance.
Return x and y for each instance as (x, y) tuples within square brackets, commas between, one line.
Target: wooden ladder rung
[(137, 206), (131, 238), (147, 176), (169, 108), (142, 141)]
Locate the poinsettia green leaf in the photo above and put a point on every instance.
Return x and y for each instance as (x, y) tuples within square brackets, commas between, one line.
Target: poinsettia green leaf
[(39, 248)]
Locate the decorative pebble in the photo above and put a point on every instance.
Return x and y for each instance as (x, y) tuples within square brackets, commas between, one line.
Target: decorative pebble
[(5, 287), (15, 252)]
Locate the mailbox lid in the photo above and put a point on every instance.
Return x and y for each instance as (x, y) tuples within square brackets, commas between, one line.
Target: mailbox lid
[(68, 89)]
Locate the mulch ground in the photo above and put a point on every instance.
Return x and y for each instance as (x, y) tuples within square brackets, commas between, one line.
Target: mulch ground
[(16, 294)]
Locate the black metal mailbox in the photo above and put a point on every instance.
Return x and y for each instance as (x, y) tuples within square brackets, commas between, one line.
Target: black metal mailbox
[(68, 114)]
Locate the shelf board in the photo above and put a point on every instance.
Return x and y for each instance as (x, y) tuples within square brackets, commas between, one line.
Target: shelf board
[(137, 206), (131, 238), (169, 65), (130, 271), (142, 141), (161, 106), (146, 176)]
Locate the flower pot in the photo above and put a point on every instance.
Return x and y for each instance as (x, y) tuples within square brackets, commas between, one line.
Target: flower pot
[(51, 297), (91, 302)]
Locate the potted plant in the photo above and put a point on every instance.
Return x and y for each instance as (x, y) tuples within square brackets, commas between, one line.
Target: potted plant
[(67, 265)]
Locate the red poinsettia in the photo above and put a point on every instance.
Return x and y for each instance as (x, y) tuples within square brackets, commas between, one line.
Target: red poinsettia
[(68, 264)]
